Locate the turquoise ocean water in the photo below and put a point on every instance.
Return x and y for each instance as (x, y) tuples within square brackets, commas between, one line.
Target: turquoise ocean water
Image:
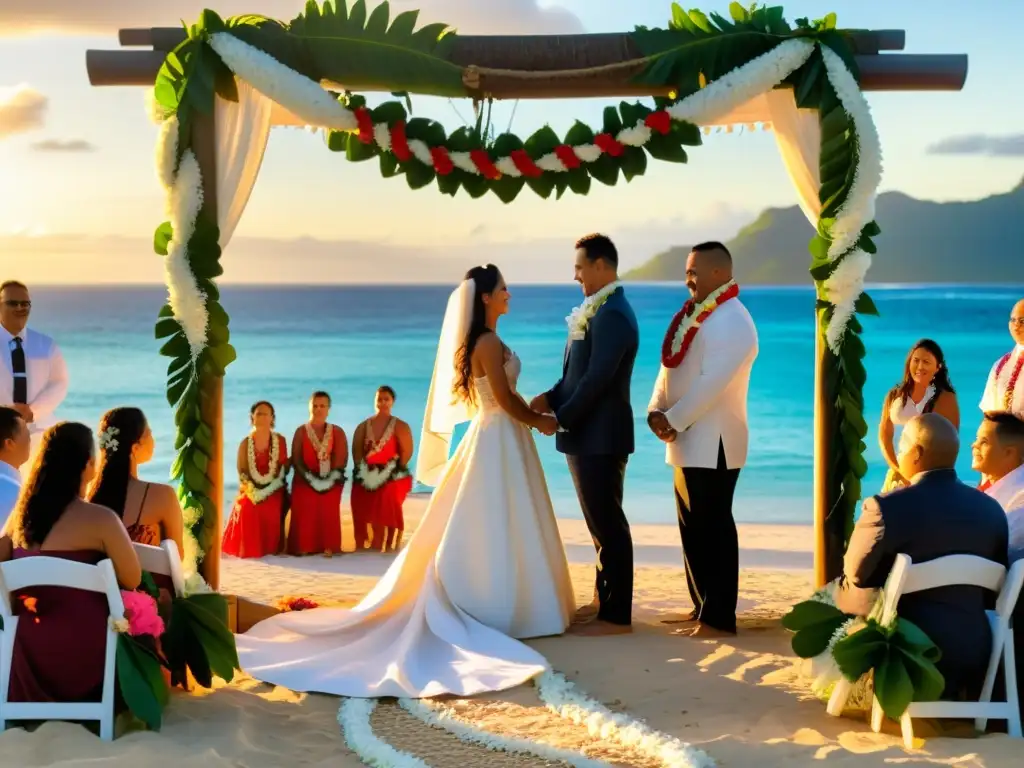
[(349, 340)]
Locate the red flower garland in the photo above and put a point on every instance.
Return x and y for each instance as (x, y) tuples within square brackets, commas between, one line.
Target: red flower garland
[(440, 156), (674, 361), (1011, 386)]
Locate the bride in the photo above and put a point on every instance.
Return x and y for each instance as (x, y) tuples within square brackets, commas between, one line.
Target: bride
[(486, 563)]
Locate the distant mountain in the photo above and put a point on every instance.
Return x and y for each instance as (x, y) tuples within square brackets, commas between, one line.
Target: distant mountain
[(921, 242)]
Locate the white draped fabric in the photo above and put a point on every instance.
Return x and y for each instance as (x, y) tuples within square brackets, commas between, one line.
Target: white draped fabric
[(243, 129), (798, 136)]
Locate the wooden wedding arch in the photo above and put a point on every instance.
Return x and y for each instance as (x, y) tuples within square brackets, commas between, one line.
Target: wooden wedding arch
[(367, 51)]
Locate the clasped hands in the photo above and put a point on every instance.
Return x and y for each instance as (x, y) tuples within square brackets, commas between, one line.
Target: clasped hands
[(545, 423), (658, 422)]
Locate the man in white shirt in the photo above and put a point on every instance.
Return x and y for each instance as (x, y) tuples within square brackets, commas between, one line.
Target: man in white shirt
[(15, 446), (998, 454), (33, 375), (1004, 391), (699, 409)]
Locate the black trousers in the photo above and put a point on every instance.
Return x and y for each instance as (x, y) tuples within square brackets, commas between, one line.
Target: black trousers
[(599, 481), (710, 542)]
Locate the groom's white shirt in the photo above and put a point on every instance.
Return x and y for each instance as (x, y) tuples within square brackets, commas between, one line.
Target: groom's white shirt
[(705, 398), (1009, 492)]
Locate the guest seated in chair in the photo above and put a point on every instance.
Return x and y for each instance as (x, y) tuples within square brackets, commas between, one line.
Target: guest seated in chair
[(935, 516), (998, 454), (150, 511), (59, 650)]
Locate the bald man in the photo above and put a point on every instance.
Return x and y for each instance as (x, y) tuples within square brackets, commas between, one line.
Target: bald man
[(936, 515), (1004, 391)]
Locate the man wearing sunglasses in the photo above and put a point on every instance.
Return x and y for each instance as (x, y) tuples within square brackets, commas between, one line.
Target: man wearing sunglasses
[(33, 376), (1004, 391)]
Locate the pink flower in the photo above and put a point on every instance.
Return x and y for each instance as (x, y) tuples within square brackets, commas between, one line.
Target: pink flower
[(141, 612)]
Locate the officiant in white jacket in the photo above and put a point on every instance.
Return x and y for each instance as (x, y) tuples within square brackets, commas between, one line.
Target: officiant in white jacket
[(699, 409), (33, 375)]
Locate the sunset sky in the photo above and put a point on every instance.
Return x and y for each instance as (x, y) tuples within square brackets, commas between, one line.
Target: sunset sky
[(79, 198)]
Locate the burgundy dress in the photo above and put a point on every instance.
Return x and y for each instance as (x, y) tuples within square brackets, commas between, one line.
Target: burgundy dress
[(60, 646)]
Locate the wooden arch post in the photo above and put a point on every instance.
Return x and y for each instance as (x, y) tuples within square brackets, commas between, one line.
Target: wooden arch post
[(541, 67)]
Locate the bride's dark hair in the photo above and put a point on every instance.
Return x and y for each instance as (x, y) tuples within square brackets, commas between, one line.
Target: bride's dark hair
[(485, 280), (110, 489)]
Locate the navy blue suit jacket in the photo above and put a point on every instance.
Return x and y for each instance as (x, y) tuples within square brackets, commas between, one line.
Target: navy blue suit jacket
[(591, 401)]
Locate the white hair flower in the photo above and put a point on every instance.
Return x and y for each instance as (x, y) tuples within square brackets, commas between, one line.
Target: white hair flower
[(108, 440)]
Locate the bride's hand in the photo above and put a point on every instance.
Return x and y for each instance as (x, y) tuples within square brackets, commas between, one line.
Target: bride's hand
[(546, 424)]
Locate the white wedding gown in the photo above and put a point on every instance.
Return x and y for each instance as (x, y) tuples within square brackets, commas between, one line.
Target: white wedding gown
[(485, 565)]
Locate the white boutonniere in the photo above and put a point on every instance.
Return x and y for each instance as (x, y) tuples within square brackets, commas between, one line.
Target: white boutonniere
[(579, 319)]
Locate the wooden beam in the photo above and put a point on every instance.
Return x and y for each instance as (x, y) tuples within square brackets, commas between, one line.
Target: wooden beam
[(204, 145), (883, 72), (477, 49)]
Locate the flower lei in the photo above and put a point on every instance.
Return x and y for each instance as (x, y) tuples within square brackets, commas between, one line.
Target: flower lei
[(322, 449), (258, 478), (257, 494), (1011, 385), (375, 446), (324, 483), (375, 476), (579, 319), (684, 326)]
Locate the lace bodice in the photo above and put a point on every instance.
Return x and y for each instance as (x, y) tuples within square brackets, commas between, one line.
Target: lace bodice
[(485, 396)]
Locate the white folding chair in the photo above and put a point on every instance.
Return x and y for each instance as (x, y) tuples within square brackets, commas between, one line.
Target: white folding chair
[(163, 560), (42, 571), (906, 578)]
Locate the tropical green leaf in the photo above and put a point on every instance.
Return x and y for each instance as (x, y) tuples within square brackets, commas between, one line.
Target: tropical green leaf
[(865, 305), (162, 238), (633, 163), (738, 12), (354, 48), (926, 678), (893, 686), (814, 639), (176, 346), (137, 676), (222, 356), (810, 612)]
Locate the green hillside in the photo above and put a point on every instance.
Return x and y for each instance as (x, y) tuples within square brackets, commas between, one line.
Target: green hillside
[(981, 241)]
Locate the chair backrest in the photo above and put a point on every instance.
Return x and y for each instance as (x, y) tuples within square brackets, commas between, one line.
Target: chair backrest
[(163, 560), (1010, 593), (42, 571), (907, 577)]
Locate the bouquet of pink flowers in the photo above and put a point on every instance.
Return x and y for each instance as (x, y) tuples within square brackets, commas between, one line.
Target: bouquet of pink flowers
[(141, 612)]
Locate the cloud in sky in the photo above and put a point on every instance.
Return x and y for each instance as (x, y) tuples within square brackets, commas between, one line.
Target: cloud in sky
[(22, 109), (64, 145), (107, 16), (980, 144)]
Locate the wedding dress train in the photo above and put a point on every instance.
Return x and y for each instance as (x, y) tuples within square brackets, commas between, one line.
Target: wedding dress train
[(486, 565)]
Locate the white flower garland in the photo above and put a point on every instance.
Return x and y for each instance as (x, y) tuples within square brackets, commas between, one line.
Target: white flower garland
[(438, 715), (564, 699), (354, 719), (184, 200), (846, 283), (322, 448), (322, 484), (303, 97), (257, 494), (374, 477), (579, 319), (259, 478)]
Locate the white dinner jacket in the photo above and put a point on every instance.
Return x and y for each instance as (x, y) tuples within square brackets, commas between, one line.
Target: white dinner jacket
[(705, 398), (47, 376)]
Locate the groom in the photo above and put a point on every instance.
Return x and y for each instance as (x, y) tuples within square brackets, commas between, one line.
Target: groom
[(595, 419)]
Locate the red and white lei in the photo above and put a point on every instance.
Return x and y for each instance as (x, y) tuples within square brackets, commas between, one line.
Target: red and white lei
[(1011, 385), (686, 323)]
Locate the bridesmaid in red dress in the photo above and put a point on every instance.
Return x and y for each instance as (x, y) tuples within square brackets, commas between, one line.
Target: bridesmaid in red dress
[(319, 455), (381, 449), (257, 518), (60, 646)]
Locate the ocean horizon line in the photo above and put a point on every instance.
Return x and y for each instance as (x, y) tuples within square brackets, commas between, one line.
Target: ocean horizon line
[(526, 284)]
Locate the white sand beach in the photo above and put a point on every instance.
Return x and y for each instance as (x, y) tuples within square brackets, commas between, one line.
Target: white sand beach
[(741, 700)]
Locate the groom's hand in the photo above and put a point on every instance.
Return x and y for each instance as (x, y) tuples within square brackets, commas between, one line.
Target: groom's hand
[(540, 404), (546, 424)]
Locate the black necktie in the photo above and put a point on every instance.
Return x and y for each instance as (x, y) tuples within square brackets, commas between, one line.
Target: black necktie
[(20, 376)]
